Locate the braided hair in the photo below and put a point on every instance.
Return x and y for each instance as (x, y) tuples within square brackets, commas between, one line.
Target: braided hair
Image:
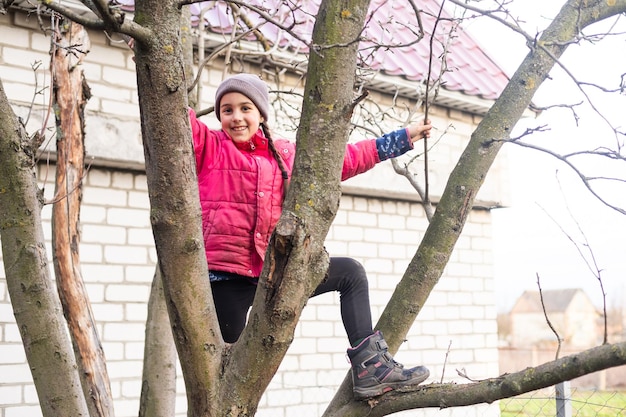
[(279, 159)]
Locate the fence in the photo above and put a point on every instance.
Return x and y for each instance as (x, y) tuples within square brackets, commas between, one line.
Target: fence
[(564, 401)]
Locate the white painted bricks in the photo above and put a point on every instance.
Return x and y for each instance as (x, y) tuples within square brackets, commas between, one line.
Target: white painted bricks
[(118, 274)]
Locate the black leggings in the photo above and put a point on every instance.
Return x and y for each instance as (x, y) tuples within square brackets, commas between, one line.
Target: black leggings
[(234, 297)]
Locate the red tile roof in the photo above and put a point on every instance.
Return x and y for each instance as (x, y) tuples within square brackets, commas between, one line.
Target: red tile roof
[(470, 70)]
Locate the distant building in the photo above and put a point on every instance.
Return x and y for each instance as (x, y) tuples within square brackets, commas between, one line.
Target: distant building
[(531, 341), (570, 312)]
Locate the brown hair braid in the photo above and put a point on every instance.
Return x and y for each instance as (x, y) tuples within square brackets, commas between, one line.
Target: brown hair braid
[(279, 159)]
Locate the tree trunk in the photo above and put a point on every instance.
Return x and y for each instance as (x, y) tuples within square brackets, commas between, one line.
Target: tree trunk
[(70, 92), (33, 296), (296, 261), (158, 385), (175, 205)]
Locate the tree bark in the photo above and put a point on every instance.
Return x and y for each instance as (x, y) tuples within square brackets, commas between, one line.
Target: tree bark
[(70, 94), (174, 201), (33, 296), (158, 385)]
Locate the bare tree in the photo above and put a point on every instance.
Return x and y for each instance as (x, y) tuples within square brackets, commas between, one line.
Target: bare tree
[(34, 298), (225, 379)]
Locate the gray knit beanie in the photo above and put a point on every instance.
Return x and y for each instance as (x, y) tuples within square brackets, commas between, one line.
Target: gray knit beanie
[(250, 86)]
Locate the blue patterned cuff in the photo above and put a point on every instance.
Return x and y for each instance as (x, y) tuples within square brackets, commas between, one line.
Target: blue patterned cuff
[(215, 276), (393, 144)]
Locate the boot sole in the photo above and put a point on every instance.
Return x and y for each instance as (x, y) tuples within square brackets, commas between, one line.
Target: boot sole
[(383, 387)]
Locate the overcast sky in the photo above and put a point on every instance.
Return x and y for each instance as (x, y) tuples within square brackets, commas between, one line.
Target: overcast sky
[(556, 229)]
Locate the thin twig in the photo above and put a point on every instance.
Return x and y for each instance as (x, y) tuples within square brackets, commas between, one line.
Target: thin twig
[(545, 314), (592, 265), (443, 371)]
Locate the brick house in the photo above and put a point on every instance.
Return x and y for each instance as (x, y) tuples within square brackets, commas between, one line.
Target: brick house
[(380, 222)]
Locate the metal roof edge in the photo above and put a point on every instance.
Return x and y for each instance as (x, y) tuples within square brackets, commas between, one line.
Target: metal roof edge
[(384, 83)]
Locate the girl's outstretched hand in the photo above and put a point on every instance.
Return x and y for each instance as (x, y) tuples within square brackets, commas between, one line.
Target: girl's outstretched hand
[(419, 130)]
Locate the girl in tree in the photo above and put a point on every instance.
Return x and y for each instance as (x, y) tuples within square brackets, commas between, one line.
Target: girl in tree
[(242, 174)]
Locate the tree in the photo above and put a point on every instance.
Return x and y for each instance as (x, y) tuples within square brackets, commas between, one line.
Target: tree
[(71, 93), (214, 372), (35, 301)]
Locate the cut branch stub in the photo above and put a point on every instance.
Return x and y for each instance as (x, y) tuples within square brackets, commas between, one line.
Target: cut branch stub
[(281, 245)]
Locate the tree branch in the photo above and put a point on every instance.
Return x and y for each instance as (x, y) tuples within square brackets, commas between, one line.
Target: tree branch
[(94, 23), (591, 263), (115, 22), (492, 389), (545, 315), (564, 158), (433, 254)]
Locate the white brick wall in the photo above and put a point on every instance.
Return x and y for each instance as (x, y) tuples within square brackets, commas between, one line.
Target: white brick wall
[(118, 272), (456, 328)]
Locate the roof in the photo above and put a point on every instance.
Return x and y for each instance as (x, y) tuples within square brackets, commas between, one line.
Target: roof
[(471, 71), (555, 301)]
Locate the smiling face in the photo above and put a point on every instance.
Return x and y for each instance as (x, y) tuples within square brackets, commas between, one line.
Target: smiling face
[(239, 116)]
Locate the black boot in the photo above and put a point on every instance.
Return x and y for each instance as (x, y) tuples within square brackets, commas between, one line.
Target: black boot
[(374, 371)]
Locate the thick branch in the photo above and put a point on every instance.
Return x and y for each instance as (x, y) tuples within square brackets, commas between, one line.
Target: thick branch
[(427, 266), (469, 174), (309, 208), (175, 205), (493, 389)]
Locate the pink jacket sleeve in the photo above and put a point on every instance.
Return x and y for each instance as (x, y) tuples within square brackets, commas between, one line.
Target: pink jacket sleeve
[(204, 142), (363, 155), (360, 157)]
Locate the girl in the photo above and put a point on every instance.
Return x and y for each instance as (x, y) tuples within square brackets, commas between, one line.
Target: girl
[(242, 172)]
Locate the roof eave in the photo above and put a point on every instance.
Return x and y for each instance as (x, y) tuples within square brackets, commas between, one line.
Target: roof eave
[(380, 82), (390, 84)]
